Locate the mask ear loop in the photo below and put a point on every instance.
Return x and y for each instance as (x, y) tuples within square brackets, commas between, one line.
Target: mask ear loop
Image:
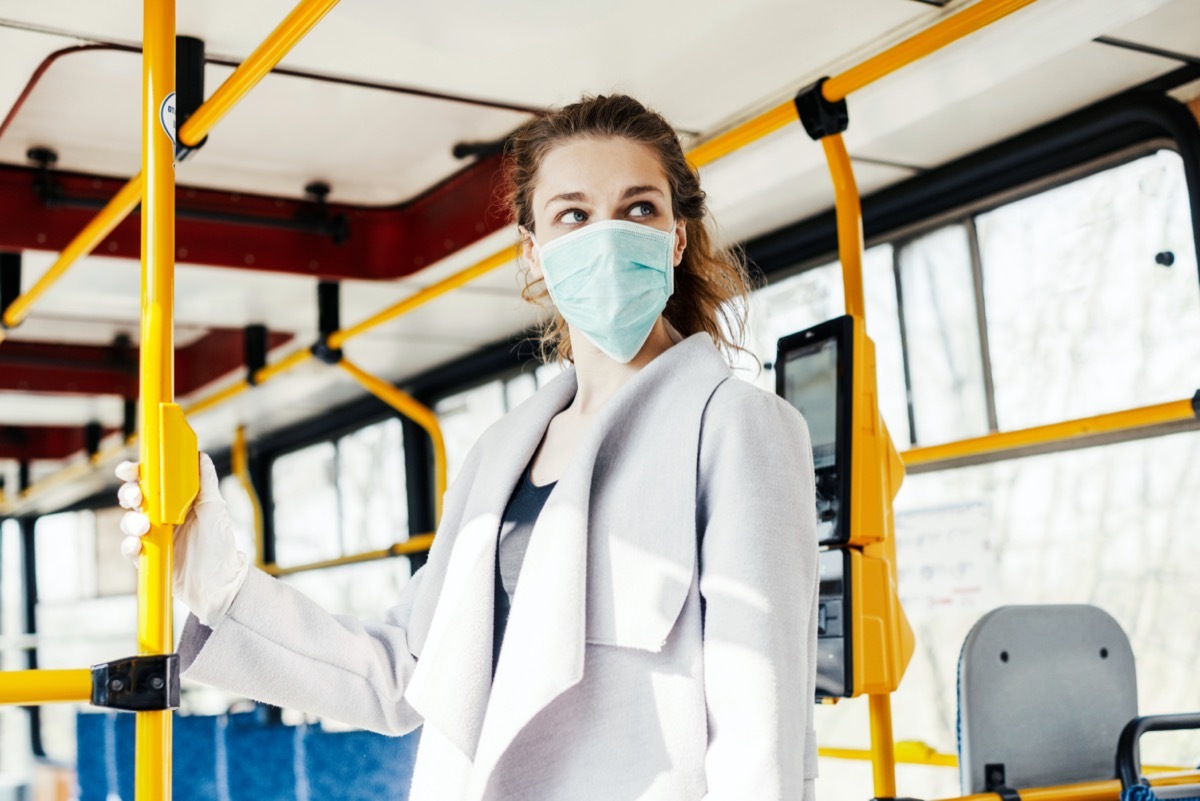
[(545, 279)]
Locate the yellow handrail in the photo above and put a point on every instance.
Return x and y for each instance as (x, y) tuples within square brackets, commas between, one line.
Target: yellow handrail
[(294, 27), (240, 464), (1108, 790), (423, 296), (109, 217), (45, 686), (418, 543), (420, 414), (1131, 419), (919, 45), (915, 752), (152, 771), (849, 223)]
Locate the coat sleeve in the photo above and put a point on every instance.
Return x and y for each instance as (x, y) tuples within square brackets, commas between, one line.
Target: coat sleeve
[(278, 646), (756, 510)]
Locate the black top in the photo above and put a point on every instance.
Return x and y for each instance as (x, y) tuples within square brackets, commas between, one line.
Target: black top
[(515, 529)]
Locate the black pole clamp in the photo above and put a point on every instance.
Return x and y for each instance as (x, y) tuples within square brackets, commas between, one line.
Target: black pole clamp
[(254, 351), (10, 283), (138, 683), (189, 89), (821, 117), (329, 320)]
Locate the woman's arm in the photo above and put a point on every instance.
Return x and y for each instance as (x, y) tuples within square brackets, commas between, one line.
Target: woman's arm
[(756, 510), (278, 646)]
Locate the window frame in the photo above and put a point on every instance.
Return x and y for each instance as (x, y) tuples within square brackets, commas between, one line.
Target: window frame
[(965, 215)]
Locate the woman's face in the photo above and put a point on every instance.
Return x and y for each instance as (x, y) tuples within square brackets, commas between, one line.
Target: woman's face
[(591, 180)]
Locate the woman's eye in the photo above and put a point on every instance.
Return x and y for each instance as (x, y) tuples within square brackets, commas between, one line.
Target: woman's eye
[(572, 216), (642, 210)]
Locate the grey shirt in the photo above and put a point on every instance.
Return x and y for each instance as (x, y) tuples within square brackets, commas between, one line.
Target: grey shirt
[(515, 529)]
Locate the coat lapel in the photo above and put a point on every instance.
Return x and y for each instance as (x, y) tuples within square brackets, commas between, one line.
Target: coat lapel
[(647, 432), (452, 681), (655, 415)]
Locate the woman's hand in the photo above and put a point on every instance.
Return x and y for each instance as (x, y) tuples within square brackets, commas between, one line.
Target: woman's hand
[(209, 567)]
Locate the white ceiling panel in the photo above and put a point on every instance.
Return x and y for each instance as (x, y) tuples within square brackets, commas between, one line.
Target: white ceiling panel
[(23, 52), (973, 67), (1174, 27), (699, 62), (1083, 75), (374, 147)]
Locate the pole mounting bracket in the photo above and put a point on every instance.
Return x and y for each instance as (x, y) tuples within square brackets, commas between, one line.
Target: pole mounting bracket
[(144, 683), (821, 117)]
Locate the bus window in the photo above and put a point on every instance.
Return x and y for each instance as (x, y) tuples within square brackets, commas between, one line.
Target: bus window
[(335, 499), (467, 414), (1091, 295), (942, 334)]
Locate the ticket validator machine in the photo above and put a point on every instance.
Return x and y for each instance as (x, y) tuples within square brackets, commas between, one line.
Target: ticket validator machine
[(864, 641)]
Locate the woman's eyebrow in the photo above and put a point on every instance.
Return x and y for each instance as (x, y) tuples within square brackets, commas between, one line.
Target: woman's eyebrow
[(639, 190), (571, 197)]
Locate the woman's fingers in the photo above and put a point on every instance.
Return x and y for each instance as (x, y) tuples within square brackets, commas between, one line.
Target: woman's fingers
[(127, 471), (130, 495), (135, 524), (131, 547)]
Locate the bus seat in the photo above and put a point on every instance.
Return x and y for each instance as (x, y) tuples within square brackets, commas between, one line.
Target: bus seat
[(1043, 694)]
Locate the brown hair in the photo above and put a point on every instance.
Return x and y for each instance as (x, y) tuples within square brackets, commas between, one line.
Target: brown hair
[(711, 283)]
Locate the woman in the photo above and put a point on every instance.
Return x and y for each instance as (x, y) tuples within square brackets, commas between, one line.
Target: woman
[(658, 512)]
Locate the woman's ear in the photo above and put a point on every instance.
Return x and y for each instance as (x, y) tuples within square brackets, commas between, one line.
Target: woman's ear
[(680, 240), (530, 253)]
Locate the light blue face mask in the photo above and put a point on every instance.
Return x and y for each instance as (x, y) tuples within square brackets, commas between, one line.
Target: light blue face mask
[(611, 280)]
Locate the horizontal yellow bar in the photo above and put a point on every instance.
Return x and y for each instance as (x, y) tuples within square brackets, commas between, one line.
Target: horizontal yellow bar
[(423, 296), (108, 218), (919, 45), (262, 376), (45, 686), (750, 131), (247, 75), (418, 543), (204, 404), (913, 752), (293, 359), (1109, 790), (1144, 417)]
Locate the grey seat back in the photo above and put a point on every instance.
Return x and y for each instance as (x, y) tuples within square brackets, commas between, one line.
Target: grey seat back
[(1043, 693)]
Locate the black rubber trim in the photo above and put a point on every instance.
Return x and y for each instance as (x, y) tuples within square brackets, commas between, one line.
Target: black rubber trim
[(1129, 763)]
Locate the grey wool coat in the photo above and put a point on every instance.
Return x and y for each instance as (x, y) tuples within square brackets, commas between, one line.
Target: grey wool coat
[(662, 640)]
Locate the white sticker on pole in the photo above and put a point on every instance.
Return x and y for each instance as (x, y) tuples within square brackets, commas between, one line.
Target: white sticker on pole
[(166, 116)]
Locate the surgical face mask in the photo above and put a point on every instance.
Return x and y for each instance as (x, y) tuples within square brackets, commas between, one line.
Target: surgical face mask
[(611, 280)]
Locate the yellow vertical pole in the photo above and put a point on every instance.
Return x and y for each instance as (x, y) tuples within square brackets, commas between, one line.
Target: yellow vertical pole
[(849, 222), (883, 749), (240, 458), (155, 628)]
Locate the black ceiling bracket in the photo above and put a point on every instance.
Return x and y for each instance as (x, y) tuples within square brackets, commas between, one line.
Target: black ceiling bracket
[(10, 283), (92, 434), (145, 683), (821, 117), (329, 320), (334, 226), (44, 185), (189, 89), (254, 344)]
